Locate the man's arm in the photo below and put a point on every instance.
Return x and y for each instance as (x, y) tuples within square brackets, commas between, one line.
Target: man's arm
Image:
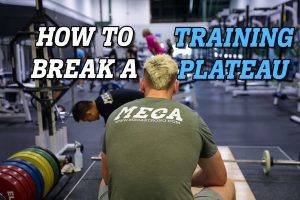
[(153, 51), (212, 173), (104, 170)]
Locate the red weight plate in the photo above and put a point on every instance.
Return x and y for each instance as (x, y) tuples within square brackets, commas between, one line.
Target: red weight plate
[(21, 180), (25, 175), (11, 188)]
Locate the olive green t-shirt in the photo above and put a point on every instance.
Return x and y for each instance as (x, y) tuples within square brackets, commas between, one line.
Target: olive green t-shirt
[(153, 146)]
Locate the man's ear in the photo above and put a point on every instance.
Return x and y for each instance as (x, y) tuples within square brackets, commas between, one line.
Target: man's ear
[(176, 87), (142, 85)]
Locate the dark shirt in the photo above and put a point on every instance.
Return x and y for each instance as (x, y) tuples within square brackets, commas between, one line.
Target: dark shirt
[(170, 49), (108, 102), (113, 54), (132, 52)]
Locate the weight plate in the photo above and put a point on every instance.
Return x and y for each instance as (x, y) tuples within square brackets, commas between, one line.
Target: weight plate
[(32, 170), (42, 164), (53, 156), (2, 197), (44, 161), (50, 161), (27, 177), (267, 162), (28, 193), (11, 188)]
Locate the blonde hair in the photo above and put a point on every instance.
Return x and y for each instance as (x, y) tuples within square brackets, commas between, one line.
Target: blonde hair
[(160, 71), (146, 32)]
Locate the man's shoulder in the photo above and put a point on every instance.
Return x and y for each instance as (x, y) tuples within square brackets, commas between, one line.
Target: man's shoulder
[(126, 92), (135, 102)]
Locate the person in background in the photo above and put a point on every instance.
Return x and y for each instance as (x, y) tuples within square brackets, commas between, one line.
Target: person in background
[(153, 45), (113, 52), (170, 49), (104, 105), (113, 55), (131, 53), (80, 53)]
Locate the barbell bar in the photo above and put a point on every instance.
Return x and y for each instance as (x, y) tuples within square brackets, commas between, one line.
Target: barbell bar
[(96, 158), (267, 161)]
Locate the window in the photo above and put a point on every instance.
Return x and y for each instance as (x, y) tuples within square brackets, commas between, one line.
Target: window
[(185, 10)]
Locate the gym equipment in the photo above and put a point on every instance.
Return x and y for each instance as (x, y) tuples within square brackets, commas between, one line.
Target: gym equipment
[(11, 188), (52, 155), (187, 94), (296, 118), (64, 180), (13, 111), (254, 17), (42, 165), (37, 169), (13, 100), (28, 193), (50, 160), (28, 178), (96, 158), (49, 137), (267, 161), (291, 84), (32, 171), (62, 114)]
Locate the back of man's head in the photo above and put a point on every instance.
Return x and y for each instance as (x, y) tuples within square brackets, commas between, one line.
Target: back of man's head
[(160, 72), (80, 109)]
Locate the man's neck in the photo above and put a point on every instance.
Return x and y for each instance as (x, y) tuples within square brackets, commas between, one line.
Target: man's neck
[(159, 94)]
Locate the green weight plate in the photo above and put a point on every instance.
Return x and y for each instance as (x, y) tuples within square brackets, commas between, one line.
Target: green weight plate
[(52, 155), (51, 161)]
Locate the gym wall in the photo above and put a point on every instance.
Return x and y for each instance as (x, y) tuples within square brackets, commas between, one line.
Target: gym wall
[(136, 13), (241, 4), (86, 11)]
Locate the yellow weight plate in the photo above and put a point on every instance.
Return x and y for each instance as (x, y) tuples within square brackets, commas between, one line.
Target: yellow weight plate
[(48, 166), (45, 162), (42, 164)]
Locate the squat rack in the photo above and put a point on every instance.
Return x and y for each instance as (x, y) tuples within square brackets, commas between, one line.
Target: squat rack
[(44, 89)]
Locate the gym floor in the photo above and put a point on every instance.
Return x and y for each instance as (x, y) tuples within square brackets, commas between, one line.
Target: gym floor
[(247, 124)]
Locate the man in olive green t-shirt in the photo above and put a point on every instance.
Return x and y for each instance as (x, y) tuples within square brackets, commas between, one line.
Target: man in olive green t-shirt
[(153, 145)]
